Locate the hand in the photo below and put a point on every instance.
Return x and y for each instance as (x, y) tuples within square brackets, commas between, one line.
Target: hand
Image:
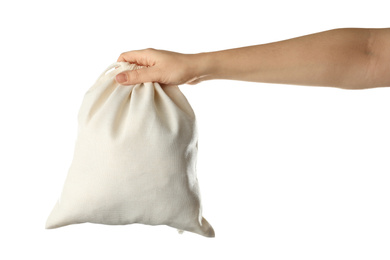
[(165, 67)]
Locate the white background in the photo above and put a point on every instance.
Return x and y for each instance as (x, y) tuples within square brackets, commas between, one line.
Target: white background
[(286, 172)]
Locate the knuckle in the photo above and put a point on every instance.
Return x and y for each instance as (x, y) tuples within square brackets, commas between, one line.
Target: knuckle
[(149, 50)]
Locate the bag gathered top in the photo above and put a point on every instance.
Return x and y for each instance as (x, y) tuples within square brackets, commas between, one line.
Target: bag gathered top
[(134, 159)]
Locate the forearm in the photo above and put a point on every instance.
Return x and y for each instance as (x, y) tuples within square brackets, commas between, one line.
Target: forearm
[(337, 58)]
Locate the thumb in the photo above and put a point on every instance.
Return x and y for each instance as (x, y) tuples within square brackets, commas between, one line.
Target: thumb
[(137, 76)]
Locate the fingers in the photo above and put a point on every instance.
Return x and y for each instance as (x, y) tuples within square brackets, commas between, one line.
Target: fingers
[(138, 76), (140, 57)]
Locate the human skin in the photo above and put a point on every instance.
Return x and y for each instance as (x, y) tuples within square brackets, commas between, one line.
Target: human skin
[(348, 58)]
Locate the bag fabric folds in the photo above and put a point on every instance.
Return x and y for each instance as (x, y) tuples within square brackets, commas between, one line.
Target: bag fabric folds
[(134, 159)]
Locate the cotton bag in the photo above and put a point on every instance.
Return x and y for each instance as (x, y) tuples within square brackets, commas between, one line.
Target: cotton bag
[(134, 159)]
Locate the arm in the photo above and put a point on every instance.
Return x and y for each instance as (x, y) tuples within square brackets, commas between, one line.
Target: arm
[(340, 58), (344, 58)]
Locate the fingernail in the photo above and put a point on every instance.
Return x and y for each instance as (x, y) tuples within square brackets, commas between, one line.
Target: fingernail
[(121, 78)]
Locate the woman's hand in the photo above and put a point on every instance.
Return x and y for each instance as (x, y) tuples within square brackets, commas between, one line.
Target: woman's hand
[(165, 67), (350, 58)]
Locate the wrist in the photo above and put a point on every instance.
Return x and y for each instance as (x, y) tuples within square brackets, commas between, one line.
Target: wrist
[(205, 65)]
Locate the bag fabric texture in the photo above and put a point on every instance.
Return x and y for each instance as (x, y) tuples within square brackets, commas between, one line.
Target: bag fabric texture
[(134, 159)]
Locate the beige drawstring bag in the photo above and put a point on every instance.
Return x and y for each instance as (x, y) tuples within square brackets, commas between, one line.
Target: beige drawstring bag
[(134, 159)]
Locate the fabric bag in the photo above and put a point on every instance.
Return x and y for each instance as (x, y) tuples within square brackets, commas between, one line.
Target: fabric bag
[(134, 159)]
